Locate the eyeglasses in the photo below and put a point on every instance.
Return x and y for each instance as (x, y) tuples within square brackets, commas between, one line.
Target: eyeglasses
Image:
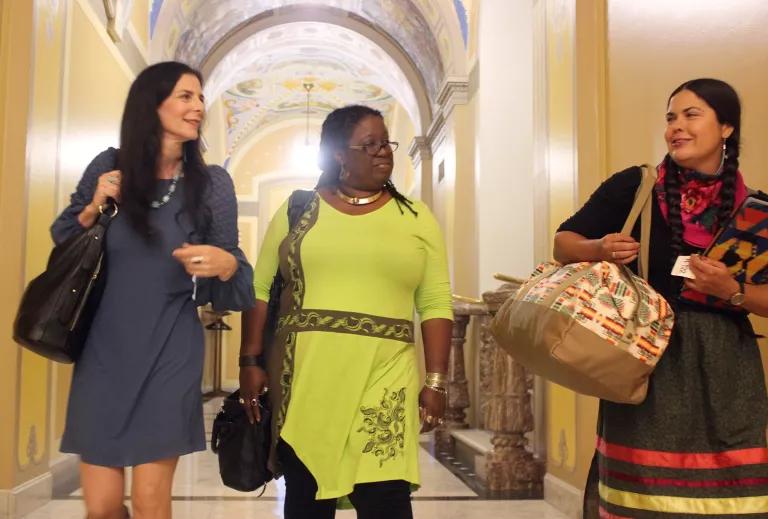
[(375, 148)]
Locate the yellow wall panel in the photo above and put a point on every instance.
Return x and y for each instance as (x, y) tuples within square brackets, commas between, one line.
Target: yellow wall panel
[(561, 167), (79, 92), (16, 28), (96, 86), (561, 427), (33, 433)]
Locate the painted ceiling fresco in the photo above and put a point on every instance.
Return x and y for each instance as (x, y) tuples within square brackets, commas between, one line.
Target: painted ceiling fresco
[(261, 80), (278, 93), (270, 68), (192, 28)]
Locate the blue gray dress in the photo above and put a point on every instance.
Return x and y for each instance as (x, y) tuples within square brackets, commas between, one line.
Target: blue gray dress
[(135, 395)]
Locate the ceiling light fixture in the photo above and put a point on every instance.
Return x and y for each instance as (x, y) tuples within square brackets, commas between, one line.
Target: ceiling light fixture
[(308, 86)]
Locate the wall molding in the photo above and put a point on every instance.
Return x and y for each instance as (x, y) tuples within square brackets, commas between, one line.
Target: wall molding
[(27, 497), (455, 90), (419, 150), (564, 497)]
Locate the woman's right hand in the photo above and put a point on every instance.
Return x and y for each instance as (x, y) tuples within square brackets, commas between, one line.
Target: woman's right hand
[(107, 187), (618, 248), (253, 382)]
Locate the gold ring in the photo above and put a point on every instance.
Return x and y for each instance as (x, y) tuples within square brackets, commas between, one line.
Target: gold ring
[(196, 259), (429, 419), (241, 400)]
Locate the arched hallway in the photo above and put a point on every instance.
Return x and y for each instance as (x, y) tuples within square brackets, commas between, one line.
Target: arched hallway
[(508, 115)]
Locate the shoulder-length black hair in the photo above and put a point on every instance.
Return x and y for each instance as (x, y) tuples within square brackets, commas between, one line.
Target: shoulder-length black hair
[(140, 146), (334, 137), (724, 100)]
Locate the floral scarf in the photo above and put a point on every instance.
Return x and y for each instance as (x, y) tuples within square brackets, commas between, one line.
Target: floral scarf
[(699, 203), (699, 206)]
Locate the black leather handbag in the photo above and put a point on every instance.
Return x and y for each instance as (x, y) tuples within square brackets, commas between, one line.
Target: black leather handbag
[(242, 447), (57, 307)]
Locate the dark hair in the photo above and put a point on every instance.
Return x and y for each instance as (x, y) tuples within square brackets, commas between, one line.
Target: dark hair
[(334, 136), (724, 100), (140, 148)]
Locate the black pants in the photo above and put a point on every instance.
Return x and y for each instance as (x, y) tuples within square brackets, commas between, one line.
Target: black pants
[(379, 500)]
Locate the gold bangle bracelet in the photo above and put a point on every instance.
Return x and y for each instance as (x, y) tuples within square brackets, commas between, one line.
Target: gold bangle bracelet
[(436, 379), (440, 390)]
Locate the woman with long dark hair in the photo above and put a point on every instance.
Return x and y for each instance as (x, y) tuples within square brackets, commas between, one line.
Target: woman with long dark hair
[(696, 447), (347, 400), (135, 399)]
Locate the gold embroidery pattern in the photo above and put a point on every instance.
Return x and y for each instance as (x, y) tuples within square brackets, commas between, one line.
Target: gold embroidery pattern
[(385, 426), (348, 322), (296, 278)]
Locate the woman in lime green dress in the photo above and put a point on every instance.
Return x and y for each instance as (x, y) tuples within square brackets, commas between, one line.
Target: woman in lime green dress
[(348, 404)]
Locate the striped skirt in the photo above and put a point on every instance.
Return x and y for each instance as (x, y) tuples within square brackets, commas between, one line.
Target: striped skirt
[(696, 447)]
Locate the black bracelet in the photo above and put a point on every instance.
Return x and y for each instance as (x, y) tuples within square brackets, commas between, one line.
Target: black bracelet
[(249, 360)]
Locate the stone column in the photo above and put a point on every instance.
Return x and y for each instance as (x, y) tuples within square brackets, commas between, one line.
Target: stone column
[(510, 467)]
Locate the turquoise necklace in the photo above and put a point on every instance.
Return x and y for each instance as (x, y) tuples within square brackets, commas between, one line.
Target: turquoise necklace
[(166, 197)]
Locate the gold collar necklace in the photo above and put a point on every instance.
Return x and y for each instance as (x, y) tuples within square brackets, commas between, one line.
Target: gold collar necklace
[(353, 200)]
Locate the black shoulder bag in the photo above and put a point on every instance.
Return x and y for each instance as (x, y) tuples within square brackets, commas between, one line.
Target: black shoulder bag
[(57, 307), (243, 448)]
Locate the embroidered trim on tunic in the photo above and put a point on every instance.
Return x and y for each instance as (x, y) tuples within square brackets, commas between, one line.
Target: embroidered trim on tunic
[(347, 322), (296, 282), (385, 426)]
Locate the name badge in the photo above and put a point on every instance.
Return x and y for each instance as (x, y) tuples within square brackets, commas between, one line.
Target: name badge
[(682, 267)]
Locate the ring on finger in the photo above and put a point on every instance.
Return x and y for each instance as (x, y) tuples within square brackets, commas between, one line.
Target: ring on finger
[(241, 400), (196, 259), (254, 402), (613, 255), (429, 419), (264, 391)]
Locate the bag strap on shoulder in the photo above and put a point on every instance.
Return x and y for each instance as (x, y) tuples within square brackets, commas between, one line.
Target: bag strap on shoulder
[(297, 202), (642, 207)]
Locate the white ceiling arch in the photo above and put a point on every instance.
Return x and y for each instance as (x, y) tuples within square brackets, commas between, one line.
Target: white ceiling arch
[(426, 31), (259, 47)]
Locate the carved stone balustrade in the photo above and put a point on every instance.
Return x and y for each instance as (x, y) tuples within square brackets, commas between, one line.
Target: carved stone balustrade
[(458, 386), (510, 467)]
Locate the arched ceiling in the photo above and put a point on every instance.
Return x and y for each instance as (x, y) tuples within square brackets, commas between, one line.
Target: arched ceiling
[(271, 89), (427, 30), (257, 55)]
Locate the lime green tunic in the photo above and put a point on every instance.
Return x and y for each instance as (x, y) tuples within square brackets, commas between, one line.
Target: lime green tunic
[(348, 378)]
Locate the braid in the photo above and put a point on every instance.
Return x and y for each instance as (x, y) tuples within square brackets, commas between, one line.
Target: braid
[(728, 191), (400, 199), (672, 189)]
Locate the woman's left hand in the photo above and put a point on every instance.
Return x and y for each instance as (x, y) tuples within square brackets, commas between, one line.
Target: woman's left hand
[(432, 406), (712, 278), (206, 261)]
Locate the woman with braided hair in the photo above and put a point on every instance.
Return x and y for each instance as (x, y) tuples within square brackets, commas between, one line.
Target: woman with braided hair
[(696, 447), (347, 402)]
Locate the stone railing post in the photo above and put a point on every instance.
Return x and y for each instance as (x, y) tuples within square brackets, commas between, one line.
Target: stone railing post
[(458, 386), (510, 467)]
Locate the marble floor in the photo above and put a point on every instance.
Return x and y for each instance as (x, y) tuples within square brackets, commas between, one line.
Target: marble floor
[(199, 494)]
